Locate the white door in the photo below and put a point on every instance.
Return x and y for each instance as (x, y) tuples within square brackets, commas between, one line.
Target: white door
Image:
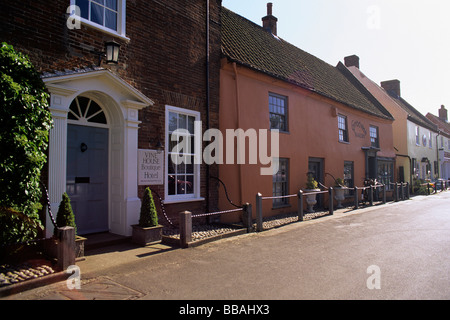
[(87, 177)]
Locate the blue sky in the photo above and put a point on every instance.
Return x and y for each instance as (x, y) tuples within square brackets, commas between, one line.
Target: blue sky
[(394, 39)]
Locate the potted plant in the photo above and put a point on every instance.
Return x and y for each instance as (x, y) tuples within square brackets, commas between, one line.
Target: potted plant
[(66, 218), (311, 186), (148, 231), (339, 192)]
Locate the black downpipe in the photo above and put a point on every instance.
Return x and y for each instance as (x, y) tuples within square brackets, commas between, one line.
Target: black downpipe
[(207, 100)]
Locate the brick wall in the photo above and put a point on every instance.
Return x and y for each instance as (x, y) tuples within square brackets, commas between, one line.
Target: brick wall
[(165, 58)]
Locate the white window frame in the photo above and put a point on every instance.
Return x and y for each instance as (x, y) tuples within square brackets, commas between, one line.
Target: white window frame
[(345, 133), (281, 202), (430, 142), (277, 110), (374, 139), (197, 170), (417, 136), (121, 21)]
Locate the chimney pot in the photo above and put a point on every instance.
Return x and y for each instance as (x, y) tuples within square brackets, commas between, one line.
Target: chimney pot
[(269, 8), (392, 86), (269, 21), (443, 114), (352, 61)]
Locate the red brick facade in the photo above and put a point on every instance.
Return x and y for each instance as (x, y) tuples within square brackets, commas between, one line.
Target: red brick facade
[(164, 58)]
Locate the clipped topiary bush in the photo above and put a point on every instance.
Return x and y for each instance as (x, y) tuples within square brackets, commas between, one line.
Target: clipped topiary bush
[(25, 122), (420, 188), (65, 216), (311, 183), (148, 215)]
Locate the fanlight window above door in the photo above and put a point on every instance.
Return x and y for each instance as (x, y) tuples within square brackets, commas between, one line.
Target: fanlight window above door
[(86, 111)]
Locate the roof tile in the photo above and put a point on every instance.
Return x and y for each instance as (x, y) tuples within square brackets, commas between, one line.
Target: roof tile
[(248, 44)]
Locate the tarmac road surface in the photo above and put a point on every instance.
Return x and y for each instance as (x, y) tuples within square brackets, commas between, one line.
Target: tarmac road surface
[(394, 251)]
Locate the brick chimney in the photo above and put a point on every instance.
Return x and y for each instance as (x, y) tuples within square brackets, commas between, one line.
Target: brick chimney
[(392, 86), (352, 61), (443, 114), (269, 21)]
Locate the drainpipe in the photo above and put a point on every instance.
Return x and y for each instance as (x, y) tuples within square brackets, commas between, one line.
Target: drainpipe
[(410, 170), (437, 155), (238, 114), (207, 101)]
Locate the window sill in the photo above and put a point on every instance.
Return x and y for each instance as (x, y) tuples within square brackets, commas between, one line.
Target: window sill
[(182, 200), (344, 142), (100, 28)]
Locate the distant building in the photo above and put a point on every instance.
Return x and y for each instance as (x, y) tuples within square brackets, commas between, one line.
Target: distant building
[(414, 134), (442, 140)]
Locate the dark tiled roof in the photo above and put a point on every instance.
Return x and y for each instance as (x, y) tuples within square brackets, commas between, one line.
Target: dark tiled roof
[(248, 44), (413, 114), (441, 124)]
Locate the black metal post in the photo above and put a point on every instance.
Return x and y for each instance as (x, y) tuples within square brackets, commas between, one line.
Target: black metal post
[(300, 205), (331, 204)]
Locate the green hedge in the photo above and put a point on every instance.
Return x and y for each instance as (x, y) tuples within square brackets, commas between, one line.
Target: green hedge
[(25, 122)]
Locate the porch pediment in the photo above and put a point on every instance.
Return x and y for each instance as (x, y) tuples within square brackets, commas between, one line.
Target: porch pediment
[(71, 83)]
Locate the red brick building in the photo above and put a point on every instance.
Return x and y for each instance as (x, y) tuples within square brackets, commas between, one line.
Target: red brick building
[(167, 76)]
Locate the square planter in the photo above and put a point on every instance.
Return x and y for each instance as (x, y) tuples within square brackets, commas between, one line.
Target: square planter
[(147, 236), (79, 248), (51, 248)]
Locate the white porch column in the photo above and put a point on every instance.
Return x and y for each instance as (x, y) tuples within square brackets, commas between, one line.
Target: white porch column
[(57, 160), (133, 203)]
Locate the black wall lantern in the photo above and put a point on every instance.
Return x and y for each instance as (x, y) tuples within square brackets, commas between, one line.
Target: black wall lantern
[(111, 53)]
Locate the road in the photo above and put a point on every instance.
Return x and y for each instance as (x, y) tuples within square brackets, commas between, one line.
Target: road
[(395, 251)]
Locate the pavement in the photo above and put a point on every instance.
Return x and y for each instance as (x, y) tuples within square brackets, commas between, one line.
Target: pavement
[(98, 276), (89, 272)]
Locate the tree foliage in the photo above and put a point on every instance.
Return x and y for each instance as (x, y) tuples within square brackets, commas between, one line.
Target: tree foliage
[(25, 122)]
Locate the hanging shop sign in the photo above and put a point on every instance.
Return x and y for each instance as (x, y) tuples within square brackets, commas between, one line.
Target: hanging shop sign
[(150, 167)]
